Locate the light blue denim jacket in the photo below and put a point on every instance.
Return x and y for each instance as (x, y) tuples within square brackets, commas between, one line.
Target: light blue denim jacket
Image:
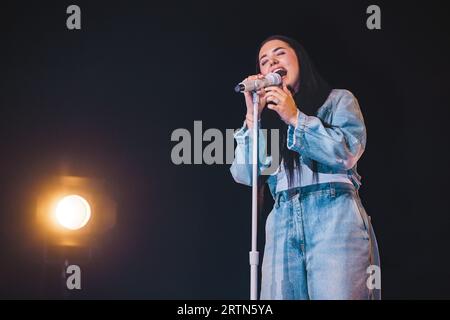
[(335, 138)]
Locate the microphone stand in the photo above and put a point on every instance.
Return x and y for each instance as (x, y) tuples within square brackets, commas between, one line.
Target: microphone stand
[(254, 254)]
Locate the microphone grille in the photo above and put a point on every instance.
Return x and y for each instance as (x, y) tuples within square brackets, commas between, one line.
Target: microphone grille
[(274, 78)]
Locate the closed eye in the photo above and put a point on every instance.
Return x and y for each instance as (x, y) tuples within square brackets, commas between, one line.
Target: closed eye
[(278, 53)]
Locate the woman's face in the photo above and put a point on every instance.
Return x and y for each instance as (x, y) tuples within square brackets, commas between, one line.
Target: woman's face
[(276, 54)]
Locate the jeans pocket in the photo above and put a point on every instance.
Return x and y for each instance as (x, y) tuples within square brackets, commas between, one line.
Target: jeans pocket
[(361, 216)]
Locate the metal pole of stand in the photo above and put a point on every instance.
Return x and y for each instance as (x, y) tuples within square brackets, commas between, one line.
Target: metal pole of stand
[(254, 254)]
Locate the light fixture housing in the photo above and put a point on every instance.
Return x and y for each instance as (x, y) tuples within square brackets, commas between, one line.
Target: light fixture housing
[(73, 211)]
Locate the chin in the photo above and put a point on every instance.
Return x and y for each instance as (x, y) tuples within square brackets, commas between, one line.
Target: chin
[(289, 84)]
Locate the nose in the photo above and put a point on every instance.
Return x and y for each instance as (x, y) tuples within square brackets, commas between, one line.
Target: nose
[(273, 61)]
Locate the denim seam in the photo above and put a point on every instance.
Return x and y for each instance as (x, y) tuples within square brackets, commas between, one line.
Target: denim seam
[(299, 222), (364, 220)]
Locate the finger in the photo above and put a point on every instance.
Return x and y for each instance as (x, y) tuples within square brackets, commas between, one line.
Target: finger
[(273, 107), (263, 101), (272, 101), (280, 94), (280, 97), (274, 89), (285, 89), (253, 77)]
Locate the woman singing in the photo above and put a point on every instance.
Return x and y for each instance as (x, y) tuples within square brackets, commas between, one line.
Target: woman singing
[(319, 240)]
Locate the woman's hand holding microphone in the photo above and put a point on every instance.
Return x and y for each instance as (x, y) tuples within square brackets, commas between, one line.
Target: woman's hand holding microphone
[(249, 102), (281, 101)]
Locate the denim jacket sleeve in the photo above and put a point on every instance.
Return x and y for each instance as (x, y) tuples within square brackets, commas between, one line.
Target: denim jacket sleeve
[(340, 142), (241, 168)]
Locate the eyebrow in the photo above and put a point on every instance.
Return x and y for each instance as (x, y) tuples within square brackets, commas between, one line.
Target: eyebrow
[(276, 49)]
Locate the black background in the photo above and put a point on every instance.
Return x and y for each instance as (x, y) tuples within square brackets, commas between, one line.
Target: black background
[(104, 100)]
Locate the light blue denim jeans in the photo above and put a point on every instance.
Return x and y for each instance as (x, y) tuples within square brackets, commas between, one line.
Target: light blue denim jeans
[(319, 245)]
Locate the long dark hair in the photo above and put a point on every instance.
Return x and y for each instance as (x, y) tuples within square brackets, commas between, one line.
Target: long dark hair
[(312, 93)]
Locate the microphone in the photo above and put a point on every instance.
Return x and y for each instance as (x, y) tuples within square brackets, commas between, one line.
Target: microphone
[(271, 79)]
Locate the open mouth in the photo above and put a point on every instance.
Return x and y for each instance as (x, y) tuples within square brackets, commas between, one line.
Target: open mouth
[(281, 71)]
